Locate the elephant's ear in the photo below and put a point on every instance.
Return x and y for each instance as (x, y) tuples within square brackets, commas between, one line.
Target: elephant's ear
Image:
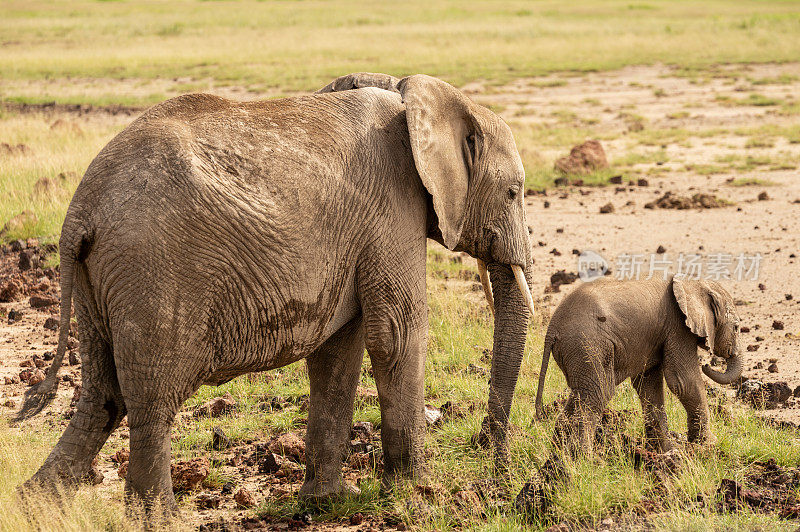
[(698, 306), (443, 136), (358, 80)]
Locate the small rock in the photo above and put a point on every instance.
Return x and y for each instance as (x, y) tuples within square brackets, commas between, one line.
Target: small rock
[(42, 301), (188, 475), (36, 377), (10, 291), (362, 429), (432, 415), (9, 403), (356, 519), (207, 501), (271, 463), (244, 499), (607, 208), (121, 456), (753, 347), (642, 182), (555, 252), (788, 297), (773, 368), (51, 324), (219, 440), (762, 286), (583, 159), (661, 250), (777, 325), (763, 196), (546, 205), (216, 407), (122, 470), (14, 379), (796, 392), (289, 445), (74, 358), (27, 260), (744, 329), (759, 338)]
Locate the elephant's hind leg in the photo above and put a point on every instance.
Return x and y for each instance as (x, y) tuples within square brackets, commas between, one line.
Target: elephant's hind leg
[(155, 385), (650, 387), (98, 412), (592, 384), (333, 369)]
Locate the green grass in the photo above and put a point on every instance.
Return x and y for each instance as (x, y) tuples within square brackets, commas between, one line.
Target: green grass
[(288, 46), (751, 181)]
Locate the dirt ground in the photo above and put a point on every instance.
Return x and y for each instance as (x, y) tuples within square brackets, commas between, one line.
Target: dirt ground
[(566, 221)]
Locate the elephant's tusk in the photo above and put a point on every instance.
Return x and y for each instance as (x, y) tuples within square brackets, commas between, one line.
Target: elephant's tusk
[(523, 286), (487, 288)]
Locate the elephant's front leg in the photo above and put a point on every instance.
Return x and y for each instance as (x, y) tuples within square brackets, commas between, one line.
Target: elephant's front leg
[(396, 328), (682, 373), (333, 369)]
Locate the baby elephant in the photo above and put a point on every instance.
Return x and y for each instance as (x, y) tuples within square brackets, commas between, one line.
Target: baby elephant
[(607, 331)]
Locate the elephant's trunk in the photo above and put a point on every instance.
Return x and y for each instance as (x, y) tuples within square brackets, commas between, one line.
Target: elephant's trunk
[(732, 372), (510, 329)]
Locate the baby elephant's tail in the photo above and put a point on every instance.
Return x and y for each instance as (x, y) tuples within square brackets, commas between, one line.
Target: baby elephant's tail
[(548, 348)]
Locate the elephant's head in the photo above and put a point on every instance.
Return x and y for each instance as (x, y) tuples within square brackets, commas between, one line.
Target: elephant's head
[(711, 315), (467, 160)]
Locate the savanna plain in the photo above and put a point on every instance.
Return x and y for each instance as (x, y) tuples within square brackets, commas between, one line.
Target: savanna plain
[(688, 99)]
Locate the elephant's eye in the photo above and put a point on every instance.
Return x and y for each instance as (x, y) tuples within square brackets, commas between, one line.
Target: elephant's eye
[(512, 193)]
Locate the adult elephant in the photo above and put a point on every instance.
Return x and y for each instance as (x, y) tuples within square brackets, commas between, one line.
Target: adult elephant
[(213, 238)]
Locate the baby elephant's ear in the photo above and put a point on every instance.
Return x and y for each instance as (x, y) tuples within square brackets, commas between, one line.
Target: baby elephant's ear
[(359, 80), (697, 305)]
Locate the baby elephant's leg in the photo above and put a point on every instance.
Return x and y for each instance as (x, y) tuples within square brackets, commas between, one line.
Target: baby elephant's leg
[(690, 390), (576, 425), (650, 387)]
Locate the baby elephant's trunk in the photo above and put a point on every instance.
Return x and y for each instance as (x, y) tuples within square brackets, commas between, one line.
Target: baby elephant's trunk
[(732, 372)]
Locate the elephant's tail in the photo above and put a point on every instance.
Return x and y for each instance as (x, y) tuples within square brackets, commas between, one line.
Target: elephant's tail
[(37, 397), (548, 348)]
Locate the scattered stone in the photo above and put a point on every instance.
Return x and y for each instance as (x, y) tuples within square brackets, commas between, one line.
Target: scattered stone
[(432, 415), (122, 471), (616, 180), (796, 392), (697, 201), (744, 329), (10, 290), (661, 250), (763, 196), (762, 286), (14, 315), (734, 496), (216, 407), (362, 430), (10, 403), (773, 368), (36, 377), (42, 301), (546, 204), (244, 499), (753, 347), (19, 221), (27, 260), (788, 297), (289, 445), (121, 456), (643, 182), (14, 379), (188, 475), (607, 208), (271, 463), (74, 358), (762, 395), (583, 159), (562, 277), (356, 519), (219, 440), (555, 252), (777, 325), (207, 501), (51, 324)]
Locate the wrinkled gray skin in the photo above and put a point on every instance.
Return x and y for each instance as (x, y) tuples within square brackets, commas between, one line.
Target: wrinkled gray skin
[(213, 238), (608, 331)]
